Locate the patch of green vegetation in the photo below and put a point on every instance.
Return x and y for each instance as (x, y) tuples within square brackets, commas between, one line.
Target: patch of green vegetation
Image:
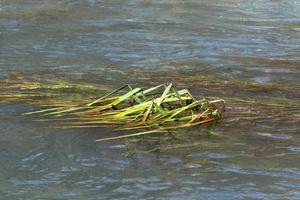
[(158, 109)]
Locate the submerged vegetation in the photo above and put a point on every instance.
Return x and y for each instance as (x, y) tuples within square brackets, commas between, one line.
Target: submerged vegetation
[(70, 97), (154, 110)]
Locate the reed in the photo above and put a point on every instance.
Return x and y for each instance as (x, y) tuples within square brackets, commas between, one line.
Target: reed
[(158, 109)]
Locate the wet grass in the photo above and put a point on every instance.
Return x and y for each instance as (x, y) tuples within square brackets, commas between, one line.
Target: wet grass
[(158, 109)]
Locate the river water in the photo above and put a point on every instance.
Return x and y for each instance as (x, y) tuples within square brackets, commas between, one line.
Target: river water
[(247, 52)]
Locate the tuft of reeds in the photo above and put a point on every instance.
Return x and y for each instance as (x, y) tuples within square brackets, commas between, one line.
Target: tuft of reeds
[(157, 109)]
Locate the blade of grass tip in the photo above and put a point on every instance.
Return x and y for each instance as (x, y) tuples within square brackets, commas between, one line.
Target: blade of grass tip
[(186, 92), (130, 135), (65, 110), (93, 110), (217, 101), (180, 119), (188, 124), (197, 123), (129, 86), (83, 126), (163, 96), (125, 96), (106, 100), (42, 111), (107, 95), (93, 122), (68, 119), (147, 112), (152, 89), (132, 128)]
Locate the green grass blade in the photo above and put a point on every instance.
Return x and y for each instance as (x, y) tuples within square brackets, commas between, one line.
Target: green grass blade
[(199, 116), (66, 110), (182, 103), (152, 89), (43, 111), (125, 96), (130, 135), (195, 103), (147, 112), (159, 109), (164, 95), (107, 95)]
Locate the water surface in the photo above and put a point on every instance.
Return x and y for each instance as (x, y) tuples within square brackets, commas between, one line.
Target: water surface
[(247, 52)]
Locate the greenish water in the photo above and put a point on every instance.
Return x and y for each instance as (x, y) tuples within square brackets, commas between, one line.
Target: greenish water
[(247, 52)]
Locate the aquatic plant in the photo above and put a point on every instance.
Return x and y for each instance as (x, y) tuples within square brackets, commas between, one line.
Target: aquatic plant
[(154, 110)]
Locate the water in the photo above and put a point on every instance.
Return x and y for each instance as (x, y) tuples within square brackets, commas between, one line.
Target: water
[(247, 52)]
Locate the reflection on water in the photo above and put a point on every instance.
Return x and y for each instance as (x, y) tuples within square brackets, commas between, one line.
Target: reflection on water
[(244, 51)]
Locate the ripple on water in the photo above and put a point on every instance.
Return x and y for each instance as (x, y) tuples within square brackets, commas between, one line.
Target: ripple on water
[(275, 135), (275, 173), (294, 149), (69, 169), (208, 154), (173, 160), (261, 79), (32, 157), (192, 165), (270, 70), (17, 181)]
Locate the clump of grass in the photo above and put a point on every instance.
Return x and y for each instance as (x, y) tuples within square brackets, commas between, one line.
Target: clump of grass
[(157, 109)]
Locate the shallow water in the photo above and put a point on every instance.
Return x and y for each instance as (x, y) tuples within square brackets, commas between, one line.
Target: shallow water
[(247, 52)]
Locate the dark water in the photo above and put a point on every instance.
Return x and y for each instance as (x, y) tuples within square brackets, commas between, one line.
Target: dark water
[(247, 52)]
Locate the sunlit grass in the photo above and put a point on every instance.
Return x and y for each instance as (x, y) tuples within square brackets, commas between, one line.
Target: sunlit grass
[(158, 109)]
